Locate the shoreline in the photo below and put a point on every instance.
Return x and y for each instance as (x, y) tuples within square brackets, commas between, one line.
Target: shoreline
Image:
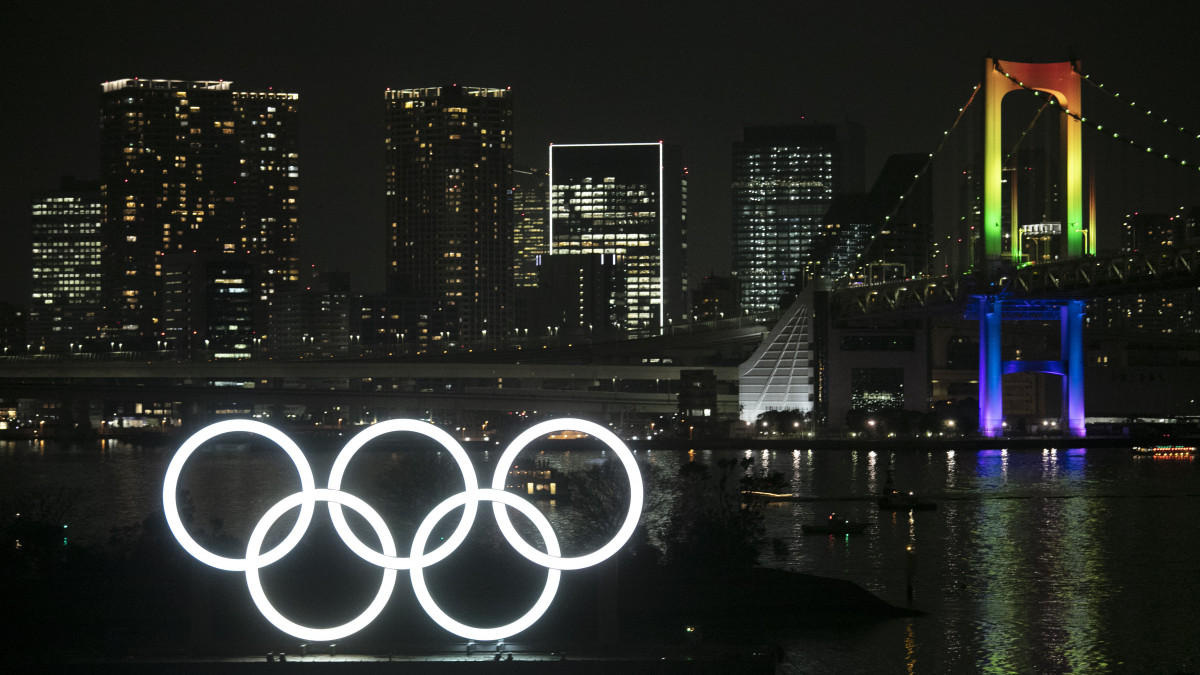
[(906, 444)]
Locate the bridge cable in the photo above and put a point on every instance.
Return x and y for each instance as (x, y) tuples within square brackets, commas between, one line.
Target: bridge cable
[(1133, 104), (1098, 127), (1024, 134), (924, 167)]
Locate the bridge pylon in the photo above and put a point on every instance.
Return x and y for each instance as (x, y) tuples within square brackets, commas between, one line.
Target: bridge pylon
[(1063, 82), (990, 310)]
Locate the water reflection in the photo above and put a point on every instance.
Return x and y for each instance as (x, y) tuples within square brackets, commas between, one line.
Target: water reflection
[(872, 476), (1033, 561)]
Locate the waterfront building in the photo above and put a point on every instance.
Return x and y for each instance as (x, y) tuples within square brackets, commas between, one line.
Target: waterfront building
[(627, 200), (448, 157), (66, 302), (193, 167), (784, 179)]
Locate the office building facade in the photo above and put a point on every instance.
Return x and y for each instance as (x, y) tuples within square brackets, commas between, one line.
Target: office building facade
[(530, 200), (449, 176), (784, 179), (66, 303), (627, 200)]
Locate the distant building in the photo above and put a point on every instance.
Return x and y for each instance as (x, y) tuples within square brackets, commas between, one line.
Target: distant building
[(389, 325), (13, 323), (784, 179), (715, 298), (67, 300), (210, 305), (845, 235), (580, 295), (1168, 312), (313, 320), (193, 167), (880, 369), (1150, 230), (268, 194), (448, 157), (903, 207), (883, 235), (627, 200), (531, 194)]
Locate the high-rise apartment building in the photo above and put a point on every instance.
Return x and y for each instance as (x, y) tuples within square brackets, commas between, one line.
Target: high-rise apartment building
[(64, 314), (784, 179), (628, 200), (449, 176), (268, 187), (193, 167)]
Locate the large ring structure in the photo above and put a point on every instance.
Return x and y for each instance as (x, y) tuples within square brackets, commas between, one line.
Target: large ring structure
[(387, 557)]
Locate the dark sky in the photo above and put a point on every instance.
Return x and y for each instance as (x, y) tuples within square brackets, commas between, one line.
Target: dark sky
[(688, 73)]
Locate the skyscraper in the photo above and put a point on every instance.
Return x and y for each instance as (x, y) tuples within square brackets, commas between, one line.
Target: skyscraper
[(64, 313), (628, 200), (192, 167), (784, 179), (268, 187), (449, 175), (530, 199)]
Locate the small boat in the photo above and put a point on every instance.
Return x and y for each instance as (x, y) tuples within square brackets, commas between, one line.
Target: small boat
[(540, 482), (834, 525), (900, 501), (1167, 451), (760, 496)]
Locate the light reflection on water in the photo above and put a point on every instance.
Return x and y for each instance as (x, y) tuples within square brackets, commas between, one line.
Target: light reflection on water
[(1034, 561)]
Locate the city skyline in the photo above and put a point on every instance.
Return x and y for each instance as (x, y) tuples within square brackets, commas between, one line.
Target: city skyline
[(690, 79)]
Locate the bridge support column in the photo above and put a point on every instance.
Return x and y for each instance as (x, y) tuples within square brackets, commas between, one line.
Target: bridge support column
[(991, 393), (990, 311), (1072, 355)]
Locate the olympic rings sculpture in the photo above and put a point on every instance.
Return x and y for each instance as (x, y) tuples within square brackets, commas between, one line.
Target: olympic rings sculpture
[(387, 558)]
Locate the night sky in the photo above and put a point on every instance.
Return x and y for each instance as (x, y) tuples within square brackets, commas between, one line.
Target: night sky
[(687, 73)]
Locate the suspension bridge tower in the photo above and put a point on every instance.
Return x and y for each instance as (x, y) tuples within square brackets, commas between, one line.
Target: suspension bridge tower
[(1062, 82)]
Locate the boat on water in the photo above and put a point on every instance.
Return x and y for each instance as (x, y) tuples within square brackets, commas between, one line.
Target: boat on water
[(834, 525), (538, 482), (1167, 451), (760, 496), (904, 501)]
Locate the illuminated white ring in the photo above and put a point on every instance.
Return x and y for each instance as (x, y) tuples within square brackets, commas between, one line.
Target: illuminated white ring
[(171, 485), (418, 575), (464, 465), (553, 561), (255, 584)]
